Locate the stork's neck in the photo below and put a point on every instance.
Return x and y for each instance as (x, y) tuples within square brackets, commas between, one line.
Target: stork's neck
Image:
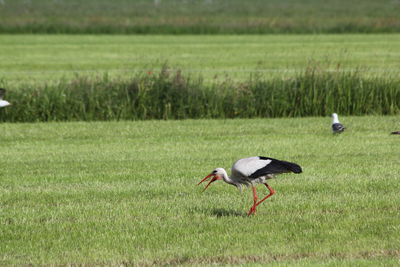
[(226, 178), (335, 118)]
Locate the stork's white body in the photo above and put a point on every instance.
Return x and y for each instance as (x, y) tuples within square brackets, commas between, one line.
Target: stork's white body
[(248, 166), (257, 170), (252, 171), (244, 168)]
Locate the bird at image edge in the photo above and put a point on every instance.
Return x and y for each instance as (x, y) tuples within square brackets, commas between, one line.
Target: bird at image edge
[(252, 171), (3, 103)]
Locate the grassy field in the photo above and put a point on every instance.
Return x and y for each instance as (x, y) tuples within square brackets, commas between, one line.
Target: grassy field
[(44, 58), (125, 193), (202, 16)]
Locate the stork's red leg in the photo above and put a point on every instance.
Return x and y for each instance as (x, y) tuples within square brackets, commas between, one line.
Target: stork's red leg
[(253, 208), (271, 192)]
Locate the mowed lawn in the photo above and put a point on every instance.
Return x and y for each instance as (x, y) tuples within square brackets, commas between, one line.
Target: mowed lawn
[(44, 58), (125, 193)]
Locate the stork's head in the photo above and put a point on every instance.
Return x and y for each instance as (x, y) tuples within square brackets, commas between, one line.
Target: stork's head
[(216, 174)]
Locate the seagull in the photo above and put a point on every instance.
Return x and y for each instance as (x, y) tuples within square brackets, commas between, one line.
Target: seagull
[(3, 103), (337, 127), (252, 171)]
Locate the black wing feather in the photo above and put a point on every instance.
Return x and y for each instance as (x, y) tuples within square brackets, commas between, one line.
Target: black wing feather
[(276, 166)]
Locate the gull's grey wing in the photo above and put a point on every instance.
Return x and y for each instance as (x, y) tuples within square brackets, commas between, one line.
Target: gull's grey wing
[(338, 127)]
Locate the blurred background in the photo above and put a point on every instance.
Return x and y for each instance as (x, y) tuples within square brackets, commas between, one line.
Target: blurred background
[(199, 16)]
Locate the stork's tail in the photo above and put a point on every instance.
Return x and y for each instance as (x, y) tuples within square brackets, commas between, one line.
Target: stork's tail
[(293, 167)]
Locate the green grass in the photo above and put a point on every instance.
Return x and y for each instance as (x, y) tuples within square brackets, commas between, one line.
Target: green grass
[(43, 58), (125, 193), (203, 16)]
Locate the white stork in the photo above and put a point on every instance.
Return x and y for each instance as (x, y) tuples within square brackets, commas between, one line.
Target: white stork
[(3, 103), (252, 171), (337, 127)]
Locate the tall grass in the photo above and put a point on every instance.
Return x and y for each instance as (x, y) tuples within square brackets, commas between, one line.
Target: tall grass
[(171, 95), (198, 17)]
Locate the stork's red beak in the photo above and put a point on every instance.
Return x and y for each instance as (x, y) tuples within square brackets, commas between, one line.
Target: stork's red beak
[(215, 178)]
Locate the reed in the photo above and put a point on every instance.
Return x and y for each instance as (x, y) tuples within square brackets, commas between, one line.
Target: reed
[(171, 95)]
